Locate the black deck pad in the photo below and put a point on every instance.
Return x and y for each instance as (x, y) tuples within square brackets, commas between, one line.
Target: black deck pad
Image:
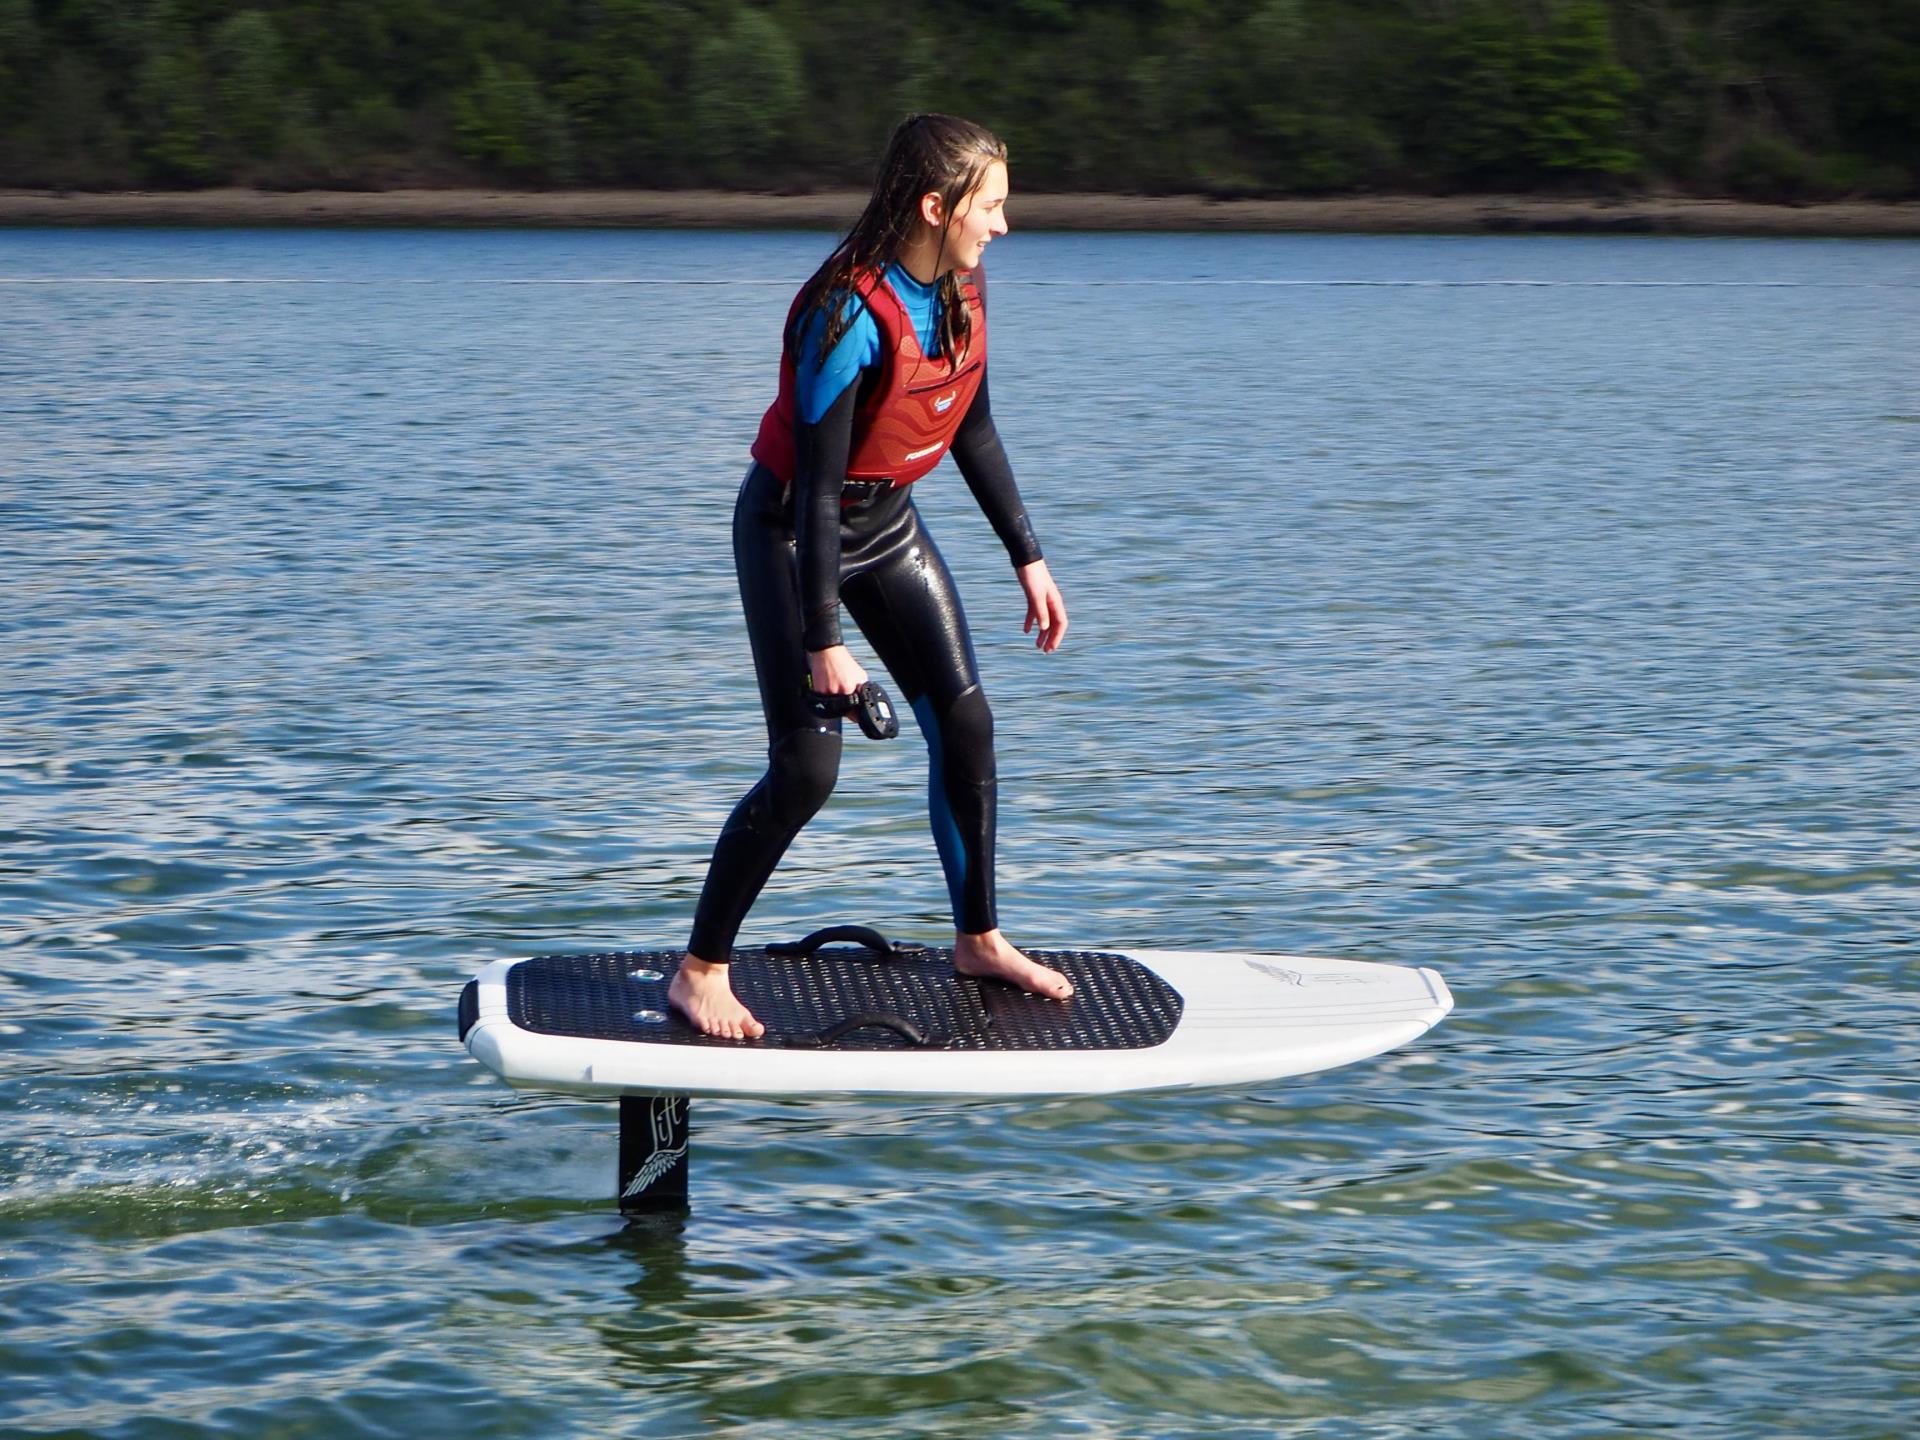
[(1117, 1004)]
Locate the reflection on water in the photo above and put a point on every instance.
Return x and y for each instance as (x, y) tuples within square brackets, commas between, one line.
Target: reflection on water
[(1540, 610)]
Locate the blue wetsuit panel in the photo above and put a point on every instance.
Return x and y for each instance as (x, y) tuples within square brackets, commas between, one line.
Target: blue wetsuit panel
[(818, 385)]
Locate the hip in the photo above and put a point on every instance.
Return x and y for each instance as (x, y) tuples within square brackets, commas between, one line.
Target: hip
[(875, 515)]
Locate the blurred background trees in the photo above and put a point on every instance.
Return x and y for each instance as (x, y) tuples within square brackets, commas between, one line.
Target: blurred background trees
[(1771, 99)]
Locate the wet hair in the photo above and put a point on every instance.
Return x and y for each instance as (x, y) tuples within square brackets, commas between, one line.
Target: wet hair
[(940, 153)]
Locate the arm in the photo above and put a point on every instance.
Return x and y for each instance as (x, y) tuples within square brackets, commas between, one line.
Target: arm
[(827, 390), (820, 471), (983, 463)]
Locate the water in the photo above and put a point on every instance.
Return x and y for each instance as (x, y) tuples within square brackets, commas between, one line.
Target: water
[(1538, 609)]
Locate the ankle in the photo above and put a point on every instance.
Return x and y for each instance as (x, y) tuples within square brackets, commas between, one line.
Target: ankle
[(692, 965)]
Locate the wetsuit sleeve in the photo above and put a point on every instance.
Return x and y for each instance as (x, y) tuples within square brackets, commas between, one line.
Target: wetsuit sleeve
[(819, 475), (827, 388), (983, 462)]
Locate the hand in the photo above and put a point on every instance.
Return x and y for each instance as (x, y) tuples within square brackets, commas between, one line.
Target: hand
[(1045, 607), (835, 671)]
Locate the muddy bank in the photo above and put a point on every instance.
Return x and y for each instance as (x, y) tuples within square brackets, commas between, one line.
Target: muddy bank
[(713, 209)]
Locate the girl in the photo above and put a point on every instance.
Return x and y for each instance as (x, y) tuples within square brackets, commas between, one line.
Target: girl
[(884, 370)]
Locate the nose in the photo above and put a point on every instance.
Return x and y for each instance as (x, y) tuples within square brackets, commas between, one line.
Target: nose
[(999, 225)]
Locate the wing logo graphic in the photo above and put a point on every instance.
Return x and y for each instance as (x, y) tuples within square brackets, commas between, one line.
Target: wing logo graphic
[(664, 1115), (1278, 972), (653, 1168), (1296, 978)]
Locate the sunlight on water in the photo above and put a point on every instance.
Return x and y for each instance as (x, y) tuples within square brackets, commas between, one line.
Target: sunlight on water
[(1537, 609)]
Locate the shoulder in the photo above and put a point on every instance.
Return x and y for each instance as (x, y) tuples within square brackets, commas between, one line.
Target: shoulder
[(861, 333), (821, 375)]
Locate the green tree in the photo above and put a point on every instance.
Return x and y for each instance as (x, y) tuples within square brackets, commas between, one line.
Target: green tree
[(1516, 104), (1776, 98), (65, 131), (503, 121), (745, 92), (20, 45), (1477, 124), (250, 84), (613, 93), (1301, 97), (170, 108), (1574, 95)]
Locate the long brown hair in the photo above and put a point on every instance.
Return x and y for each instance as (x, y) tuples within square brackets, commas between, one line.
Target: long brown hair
[(927, 152)]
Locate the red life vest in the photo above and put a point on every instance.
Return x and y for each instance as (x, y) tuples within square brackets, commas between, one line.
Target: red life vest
[(906, 422)]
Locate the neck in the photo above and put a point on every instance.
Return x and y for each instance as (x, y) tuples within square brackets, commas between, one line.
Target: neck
[(920, 257)]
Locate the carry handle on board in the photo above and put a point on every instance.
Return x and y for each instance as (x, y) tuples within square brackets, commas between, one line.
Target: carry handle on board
[(882, 1019), (885, 1019), (859, 934)]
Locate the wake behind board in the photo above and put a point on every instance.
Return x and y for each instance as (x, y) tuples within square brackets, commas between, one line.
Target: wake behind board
[(888, 1019)]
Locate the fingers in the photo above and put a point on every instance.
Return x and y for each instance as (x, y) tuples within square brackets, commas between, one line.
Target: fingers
[(1053, 626), (1048, 610), (835, 671)]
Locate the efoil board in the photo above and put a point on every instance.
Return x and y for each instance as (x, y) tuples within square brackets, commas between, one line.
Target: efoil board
[(855, 1021)]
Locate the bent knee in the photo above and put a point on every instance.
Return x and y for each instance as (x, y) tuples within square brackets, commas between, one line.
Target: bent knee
[(803, 766), (966, 734)]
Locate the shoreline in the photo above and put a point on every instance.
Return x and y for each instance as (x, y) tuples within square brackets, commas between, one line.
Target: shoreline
[(835, 210)]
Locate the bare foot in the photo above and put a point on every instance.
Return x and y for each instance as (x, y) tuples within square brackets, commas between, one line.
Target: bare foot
[(990, 956), (703, 993)]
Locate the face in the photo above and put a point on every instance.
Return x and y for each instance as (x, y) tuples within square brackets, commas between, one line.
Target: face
[(977, 220)]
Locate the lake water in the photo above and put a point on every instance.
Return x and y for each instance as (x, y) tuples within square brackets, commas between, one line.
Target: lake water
[(1541, 610)]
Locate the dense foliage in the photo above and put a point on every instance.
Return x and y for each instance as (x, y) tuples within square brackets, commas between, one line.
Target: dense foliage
[(1777, 99)]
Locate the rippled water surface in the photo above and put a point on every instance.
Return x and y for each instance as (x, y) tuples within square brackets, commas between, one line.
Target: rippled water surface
[(1542, 610)]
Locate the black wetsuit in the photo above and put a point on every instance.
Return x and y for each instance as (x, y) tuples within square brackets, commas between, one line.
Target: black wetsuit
[(800, 553)]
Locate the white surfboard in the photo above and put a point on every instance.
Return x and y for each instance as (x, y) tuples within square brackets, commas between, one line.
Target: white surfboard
[(1140, 1020)]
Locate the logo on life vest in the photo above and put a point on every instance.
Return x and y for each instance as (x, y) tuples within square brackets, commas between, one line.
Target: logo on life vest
[(945, 403), (920, 454)]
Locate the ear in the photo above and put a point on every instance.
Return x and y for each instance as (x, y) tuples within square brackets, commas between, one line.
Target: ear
[(931, 210)]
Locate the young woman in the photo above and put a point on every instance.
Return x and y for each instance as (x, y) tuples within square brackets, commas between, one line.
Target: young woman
[(884, 370)]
